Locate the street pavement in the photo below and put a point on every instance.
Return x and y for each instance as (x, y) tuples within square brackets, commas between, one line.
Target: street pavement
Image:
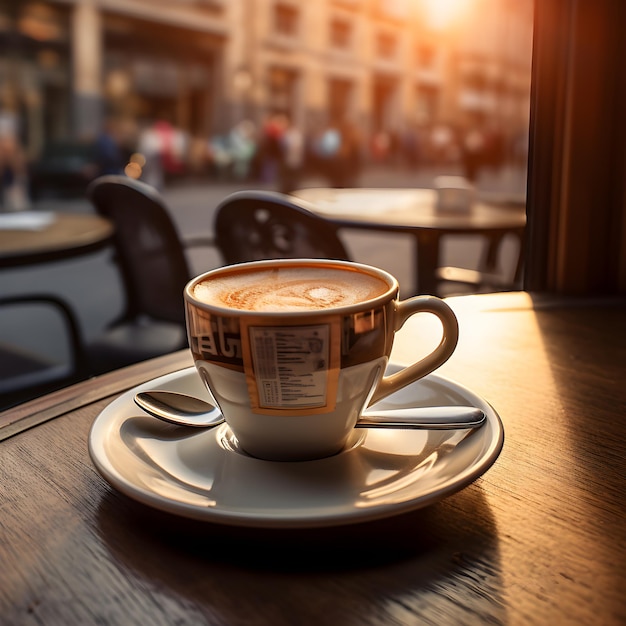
[(91, 284)]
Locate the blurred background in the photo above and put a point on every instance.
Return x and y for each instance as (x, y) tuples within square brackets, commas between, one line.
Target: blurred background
[(200, 98), (204, 90)]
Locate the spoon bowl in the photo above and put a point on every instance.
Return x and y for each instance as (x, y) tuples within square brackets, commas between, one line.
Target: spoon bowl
[(184, 410), (179, 408)]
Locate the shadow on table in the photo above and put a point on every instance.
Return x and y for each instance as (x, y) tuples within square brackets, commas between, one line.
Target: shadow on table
[(448, 552)]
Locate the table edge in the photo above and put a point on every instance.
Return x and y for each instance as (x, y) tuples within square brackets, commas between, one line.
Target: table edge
[(24, 416), (13, 259)]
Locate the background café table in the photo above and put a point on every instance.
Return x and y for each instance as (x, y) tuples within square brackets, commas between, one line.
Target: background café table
[(538, 539), (36, 237), (414, 212)]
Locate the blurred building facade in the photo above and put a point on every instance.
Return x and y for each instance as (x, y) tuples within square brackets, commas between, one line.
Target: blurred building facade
[(204, 65)]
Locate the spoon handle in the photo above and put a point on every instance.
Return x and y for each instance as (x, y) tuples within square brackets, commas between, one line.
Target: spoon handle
[(431, 418)]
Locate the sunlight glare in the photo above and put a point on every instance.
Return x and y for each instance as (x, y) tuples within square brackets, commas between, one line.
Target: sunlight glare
[(441, 13)]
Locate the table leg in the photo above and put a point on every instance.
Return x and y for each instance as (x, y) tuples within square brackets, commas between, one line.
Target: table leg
[(427, 261), (490, 259)]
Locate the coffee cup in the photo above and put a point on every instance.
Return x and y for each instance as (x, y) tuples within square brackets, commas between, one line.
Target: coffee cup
[(293, 350)]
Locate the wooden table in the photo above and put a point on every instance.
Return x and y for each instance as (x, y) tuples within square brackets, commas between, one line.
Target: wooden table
[(63, 236), (414, 212), (540, 538)]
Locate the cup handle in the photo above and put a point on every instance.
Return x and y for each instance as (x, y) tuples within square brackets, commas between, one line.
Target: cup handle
[(404, 309)]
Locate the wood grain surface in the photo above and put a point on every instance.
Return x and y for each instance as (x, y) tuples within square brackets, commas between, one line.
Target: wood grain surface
[(539, 539)]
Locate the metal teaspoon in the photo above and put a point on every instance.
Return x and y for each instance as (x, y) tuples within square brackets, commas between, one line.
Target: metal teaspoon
[(184, 410)]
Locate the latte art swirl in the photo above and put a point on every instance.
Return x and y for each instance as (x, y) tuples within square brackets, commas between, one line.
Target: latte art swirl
[(290, 296), (290, 289)]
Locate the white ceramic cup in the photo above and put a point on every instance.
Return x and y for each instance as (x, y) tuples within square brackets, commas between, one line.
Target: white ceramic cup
[(293, 350)]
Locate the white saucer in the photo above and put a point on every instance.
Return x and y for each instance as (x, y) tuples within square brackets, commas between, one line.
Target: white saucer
[(203, 475)]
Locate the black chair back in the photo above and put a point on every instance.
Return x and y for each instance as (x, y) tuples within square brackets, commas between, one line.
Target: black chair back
[(154, 270), (257, 225), (148, 247)]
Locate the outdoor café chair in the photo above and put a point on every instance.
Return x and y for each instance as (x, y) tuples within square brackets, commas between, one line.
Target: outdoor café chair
[(28, 368), (151, 256), (256, 225)]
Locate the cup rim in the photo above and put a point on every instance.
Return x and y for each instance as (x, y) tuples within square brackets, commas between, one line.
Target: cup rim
[(390, 293)]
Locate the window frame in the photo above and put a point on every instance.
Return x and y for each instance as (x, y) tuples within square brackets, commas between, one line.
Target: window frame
[(576, 232)]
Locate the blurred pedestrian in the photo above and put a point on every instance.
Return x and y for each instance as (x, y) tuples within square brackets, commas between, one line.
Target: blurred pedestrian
[(221, 157), (443, 144), (380, 146), (293, 154), (411, 147), (270, 154), (348, 159), (326, 146), (13, 166), (173, 147), (149, 146), (473, 153), (110, 156), (242, 146), (495, 150), (164, 149)]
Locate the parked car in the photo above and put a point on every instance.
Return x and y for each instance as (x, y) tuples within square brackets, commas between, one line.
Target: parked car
[(64, 169)]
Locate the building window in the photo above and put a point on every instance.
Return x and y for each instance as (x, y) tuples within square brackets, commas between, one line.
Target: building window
[(386, 45), (340, 33), (425, 56), (395, 9), (286, 19), (282, 84), (340, 96)]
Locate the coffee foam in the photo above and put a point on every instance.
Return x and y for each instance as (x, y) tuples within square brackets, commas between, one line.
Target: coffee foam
[(289, 289)]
